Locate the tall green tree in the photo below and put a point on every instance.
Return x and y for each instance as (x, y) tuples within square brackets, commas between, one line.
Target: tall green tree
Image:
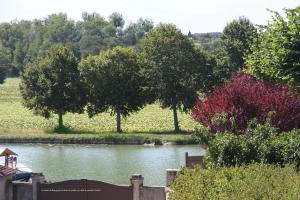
[(231, 49), (136, 31), (59, 29), (93, 33), (16, 38), (9, 36), (52, 84), (174, 69), (36, 39), (4, 62), (117, 20), (276, 56), (236, 40), (21, 45), (114, 82)]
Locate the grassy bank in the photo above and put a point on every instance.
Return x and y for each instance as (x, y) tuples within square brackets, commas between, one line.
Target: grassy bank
[(151, 123)]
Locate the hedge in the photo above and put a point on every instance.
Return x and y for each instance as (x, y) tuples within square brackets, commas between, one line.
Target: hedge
[(254, 181)]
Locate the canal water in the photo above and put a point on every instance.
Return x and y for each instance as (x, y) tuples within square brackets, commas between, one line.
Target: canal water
[(109, 163)]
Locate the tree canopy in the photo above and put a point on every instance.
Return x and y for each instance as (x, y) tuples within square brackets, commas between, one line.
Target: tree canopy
[(26, 40), (235, 44), (113, 81), (237, 38), (4, 63), (276, 55), (52, 84), (174, 69)]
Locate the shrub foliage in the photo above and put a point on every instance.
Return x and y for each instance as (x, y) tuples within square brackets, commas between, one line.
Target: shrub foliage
[(231, 106), (263, 143), (255, 181)]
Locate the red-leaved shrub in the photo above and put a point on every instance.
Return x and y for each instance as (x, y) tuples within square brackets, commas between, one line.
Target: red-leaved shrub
[(244, 98)]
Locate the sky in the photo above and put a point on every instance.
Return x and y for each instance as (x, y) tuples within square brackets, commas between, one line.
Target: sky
[(194, 15)]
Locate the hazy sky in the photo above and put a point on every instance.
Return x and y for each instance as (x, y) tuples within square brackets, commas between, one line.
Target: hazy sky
[(194, 15)]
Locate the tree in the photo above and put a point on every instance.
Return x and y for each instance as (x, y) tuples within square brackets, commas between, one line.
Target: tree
[(231, 106), (92, 34), (236, 41), (60, 30), (174, 69), (98, 34), (4, 63), (136, 31), (24, 37), (237, 38), (10, 35), (276, 55), (117, 20), (52, 84), (36, 40), (113, 81)]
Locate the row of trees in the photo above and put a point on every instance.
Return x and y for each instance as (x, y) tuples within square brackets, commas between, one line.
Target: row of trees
[(23, 41), (173, 72), (168, 68)]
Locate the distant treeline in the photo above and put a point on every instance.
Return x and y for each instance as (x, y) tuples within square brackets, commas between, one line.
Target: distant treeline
[(22, 41), (211, 35), (209, 41)]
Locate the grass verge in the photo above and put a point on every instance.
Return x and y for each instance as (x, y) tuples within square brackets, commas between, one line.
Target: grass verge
[(33, 136)]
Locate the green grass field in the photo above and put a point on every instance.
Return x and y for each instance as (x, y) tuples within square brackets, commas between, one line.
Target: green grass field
[(17, 121)]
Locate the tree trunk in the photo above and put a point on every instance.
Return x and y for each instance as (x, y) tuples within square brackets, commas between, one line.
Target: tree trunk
[(60, 121), (176, 123), (119, 130)]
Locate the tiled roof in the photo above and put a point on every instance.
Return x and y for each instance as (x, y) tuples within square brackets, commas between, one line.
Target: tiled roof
[(5, 171)]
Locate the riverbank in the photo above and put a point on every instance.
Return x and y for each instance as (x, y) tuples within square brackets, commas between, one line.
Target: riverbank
[(33, 136)]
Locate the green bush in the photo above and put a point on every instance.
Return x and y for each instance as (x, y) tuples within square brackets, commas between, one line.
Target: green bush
[(203, 135), (262, 143), (255, 181), (284, 149), (225, 150)]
